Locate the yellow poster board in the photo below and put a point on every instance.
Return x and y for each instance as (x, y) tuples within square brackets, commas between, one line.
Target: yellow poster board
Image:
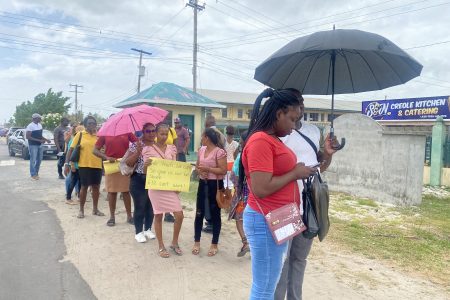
[(111, 168), (168, 175)]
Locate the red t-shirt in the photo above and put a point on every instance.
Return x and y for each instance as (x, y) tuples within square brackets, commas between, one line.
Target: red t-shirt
[(263, 153), (115, 146)]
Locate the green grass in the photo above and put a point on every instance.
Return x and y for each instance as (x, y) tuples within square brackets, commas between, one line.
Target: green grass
[(367, 202), (417, 240)]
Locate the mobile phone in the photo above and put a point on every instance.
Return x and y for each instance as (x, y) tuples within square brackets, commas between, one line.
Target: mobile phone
[(315, 166)]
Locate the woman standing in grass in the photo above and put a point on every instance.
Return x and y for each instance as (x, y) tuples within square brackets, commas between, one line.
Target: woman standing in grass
[(164, 201)]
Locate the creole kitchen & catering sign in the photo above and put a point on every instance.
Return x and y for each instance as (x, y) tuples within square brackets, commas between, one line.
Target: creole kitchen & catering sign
[(422, 109)]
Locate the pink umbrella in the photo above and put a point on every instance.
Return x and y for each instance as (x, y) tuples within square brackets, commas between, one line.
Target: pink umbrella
[(132, 119)]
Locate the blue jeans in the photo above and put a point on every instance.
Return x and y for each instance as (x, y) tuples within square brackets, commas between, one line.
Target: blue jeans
[(72, 182), (267, 256), (36, 155)]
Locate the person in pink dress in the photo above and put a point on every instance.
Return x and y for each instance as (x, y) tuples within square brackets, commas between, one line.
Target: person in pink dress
[(164, 201)]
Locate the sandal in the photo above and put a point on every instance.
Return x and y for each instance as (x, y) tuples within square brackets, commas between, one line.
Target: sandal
[(163, 253), (196, 250), (111, 222), (176, 249), (245, 248), (97, 213), (212, 252), (80, 215)]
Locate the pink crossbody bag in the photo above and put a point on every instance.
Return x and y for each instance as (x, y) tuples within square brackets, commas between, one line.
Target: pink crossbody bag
[(285, 222)]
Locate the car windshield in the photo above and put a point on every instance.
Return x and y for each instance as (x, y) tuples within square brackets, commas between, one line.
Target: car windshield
[(47, 134)]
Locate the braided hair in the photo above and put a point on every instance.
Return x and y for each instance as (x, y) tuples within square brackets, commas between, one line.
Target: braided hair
[(264, 119)]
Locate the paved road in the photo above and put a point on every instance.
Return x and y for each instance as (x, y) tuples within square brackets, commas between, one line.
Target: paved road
[(31, 239)]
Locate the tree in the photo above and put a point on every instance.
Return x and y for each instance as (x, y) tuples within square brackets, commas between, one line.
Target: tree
[(42, 104)]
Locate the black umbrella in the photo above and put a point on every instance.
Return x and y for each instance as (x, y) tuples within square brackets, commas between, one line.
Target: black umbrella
[(338, 61)]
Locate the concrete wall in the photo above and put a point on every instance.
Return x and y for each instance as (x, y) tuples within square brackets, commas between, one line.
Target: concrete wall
[(379, 163), (445, 176)]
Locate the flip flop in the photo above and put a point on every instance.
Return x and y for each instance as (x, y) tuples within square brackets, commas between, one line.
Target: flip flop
[(80, 215), (98, 213), (196, 250), (212, 252), (176, 249), (163, 253)]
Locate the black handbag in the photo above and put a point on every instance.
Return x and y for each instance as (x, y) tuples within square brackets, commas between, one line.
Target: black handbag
[(75, 157), (321, 197), (309, 213)]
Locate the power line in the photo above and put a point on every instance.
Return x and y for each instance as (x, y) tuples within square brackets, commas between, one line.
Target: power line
[(306, 22), (227, 45)]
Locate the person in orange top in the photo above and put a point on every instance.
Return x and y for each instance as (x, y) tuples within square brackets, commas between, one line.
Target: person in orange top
[(271, 171)]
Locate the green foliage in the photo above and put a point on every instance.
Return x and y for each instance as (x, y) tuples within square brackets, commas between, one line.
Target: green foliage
[(42, 104)]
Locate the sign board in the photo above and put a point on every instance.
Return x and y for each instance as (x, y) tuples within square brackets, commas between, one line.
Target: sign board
[(419, 109), (168, 175)]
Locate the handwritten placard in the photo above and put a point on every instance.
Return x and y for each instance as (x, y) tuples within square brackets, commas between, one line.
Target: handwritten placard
[(168, 175)]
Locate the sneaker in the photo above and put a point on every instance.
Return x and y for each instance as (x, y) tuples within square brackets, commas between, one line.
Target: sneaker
[(140, 237), (61, 177), (149, 234), (34, 178), (169, 218)]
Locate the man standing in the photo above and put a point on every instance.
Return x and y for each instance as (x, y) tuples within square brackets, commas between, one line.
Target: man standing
[(115, 148), (304, 142), (58, 136), (183, 140), (35, 140)]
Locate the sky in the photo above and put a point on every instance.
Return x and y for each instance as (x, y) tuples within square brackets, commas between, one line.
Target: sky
[(52, 44)]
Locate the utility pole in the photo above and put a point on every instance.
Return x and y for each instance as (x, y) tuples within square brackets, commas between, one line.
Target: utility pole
[(141, 68), (194, 4), (76, 86)]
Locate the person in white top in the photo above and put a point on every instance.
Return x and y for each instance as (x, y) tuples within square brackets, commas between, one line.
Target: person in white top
[(304, 141), (232, 149), (35, 140)]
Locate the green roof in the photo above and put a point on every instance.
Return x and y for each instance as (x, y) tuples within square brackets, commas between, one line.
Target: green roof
[(171, 94)]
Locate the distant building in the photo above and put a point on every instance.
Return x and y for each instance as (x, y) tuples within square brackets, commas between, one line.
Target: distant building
[(229, 108), (239, 108)]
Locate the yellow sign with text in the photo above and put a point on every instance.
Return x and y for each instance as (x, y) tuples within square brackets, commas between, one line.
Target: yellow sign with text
[(168, 175)]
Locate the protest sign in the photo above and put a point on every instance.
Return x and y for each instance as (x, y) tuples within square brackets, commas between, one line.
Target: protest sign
[(168, 175), (420, 109)]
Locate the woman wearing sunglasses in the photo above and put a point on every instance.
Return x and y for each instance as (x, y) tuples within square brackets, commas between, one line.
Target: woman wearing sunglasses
[(143, 211)]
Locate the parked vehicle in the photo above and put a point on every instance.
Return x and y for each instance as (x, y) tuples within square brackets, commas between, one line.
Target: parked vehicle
[(10, 133), (18, 144), (3, 132)]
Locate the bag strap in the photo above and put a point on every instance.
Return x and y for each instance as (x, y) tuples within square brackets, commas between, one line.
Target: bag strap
[(157, 151), (79, 140), (256, 197), (308, 140)]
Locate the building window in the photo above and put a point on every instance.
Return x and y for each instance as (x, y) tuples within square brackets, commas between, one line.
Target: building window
[(314, 117), (329, 117), (208, 112), (322, 117), (240, 113), (305, 116), (249, 113), (224, 113)]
